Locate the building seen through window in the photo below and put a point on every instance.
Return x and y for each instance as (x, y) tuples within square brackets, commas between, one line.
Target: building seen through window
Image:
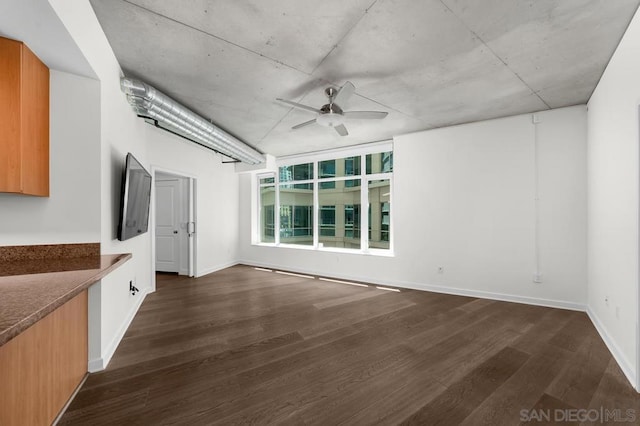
[(339, 184)]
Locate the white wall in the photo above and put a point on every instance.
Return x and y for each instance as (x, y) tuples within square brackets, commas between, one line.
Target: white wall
[(121, 132), (464, 200), (613, 200), (217, 196), (71, 214), (109, 317)]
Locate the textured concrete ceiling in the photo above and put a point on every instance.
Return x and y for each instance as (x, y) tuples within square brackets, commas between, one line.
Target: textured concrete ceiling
[(429, 63)]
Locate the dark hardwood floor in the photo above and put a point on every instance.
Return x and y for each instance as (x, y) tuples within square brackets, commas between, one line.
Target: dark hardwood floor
[(243, 346)]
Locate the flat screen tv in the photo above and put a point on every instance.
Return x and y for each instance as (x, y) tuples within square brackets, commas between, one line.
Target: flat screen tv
[(135, 198)]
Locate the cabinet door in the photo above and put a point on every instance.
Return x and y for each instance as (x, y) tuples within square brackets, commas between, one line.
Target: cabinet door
[(42, 367), (10, 146), (24, 128), (35, 125)]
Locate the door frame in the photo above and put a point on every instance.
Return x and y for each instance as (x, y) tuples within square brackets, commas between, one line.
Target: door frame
[(637, 384), (192, 208)]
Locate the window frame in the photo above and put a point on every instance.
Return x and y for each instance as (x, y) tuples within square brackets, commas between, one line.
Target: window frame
[(365, 179)]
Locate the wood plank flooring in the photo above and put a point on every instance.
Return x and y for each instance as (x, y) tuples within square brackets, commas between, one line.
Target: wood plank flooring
[(243, 346)]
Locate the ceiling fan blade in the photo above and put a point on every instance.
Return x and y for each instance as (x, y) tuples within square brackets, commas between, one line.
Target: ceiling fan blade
[(368, 115), (346, 91), (299, 106), (342, 131), (306, 123)]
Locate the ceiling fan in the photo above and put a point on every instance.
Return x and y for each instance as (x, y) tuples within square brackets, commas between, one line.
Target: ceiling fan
[(331, 114)]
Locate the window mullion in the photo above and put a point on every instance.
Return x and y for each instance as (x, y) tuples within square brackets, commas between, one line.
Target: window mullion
[(391, 206), (297, 182), (277, 210), (316, 207), (258, 237), (379, 176), (339, 178), (364, 205)]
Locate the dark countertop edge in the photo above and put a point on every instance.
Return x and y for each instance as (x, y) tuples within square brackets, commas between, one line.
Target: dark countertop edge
[(9, 333)]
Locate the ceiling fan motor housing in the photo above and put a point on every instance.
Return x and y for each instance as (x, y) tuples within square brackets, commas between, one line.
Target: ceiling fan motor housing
[(330, 115)]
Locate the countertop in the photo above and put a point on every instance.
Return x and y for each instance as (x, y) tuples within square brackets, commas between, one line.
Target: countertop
[(31, 289)]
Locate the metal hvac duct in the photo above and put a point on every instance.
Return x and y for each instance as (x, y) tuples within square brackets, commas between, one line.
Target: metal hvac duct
[(168, 114)]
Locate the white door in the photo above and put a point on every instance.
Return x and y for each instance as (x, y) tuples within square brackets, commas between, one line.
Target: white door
[(167, 225), (191, 227)]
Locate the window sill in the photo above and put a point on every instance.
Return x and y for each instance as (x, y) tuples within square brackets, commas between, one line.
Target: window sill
[(374, 252)]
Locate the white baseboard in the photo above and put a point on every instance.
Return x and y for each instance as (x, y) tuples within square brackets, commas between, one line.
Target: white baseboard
[(626, 366), (99, 364), (216, 268), (561, 304), (96, 364), (549, 303)]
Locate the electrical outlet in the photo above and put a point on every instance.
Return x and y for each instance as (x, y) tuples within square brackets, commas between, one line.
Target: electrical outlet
[(441, 269)]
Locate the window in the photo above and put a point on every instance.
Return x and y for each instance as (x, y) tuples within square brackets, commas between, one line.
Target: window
[(296, 221), (352, 221), (327, 169), (339, 197), (327, 221), (379, 210), (267, 203), (320, 203), (269, 223), (352, 168), (296, 172), (384, 222), (379, 163)]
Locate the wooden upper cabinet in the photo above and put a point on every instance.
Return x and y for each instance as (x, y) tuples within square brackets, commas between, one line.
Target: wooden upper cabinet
[(24, 120)]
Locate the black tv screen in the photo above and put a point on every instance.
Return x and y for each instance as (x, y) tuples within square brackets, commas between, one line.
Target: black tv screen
[(135, 198)]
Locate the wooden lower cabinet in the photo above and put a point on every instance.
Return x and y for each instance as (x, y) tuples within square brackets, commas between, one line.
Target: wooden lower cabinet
[(41, 368)]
